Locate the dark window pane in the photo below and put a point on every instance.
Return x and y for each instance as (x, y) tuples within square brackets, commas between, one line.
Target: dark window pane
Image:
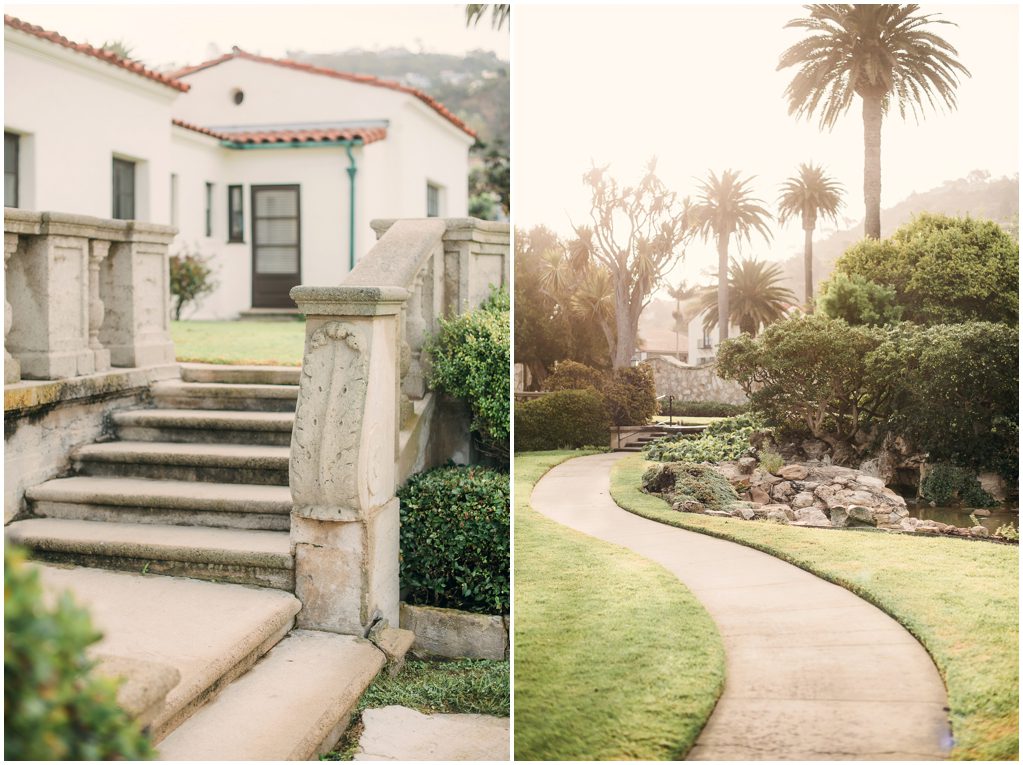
[(235, 215), (432, 201), (10, 170), (209, 209), (124, 189)]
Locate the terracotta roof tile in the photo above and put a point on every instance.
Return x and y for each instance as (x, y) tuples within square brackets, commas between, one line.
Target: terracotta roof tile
[(253, 137), (103, 55), (365, 79)]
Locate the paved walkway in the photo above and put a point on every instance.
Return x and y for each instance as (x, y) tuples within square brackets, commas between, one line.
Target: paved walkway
[(403, 734), (812, 671)]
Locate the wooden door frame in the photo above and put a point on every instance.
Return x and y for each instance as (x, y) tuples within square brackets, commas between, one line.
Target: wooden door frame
[(253, 188)]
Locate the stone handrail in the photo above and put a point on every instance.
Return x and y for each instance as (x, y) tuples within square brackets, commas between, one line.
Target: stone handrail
[(363, 373), (83, 294)]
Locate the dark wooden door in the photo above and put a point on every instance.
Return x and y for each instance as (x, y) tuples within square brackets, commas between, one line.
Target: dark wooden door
[(276, 245)]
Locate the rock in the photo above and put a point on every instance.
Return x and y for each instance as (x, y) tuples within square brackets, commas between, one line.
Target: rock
[(909, 524), (810, 516), (858, 497), (870, 481), (802, 499), (994, 485), (858, 514), (759, 496), (730, 471), (777, 516), (688, 506), (746, 513), (747, 465), (719, 513), (979, 531), (981, 512), (782, 491), (793, 472), (839, 516), (761, 476), (814, 448), (779, 510)]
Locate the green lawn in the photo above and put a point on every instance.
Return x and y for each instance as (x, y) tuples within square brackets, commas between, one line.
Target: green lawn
[(614, 657), (662, 419), (959, 598), (240, 342)]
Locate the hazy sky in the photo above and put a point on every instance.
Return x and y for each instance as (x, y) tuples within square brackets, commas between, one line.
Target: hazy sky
[(159, 34), (697, 87)]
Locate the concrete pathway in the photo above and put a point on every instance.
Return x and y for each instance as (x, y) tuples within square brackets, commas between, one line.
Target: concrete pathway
[(812, 671), (403, 734)]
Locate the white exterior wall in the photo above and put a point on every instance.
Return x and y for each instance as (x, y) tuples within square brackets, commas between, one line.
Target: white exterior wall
[(75, 113), (697, 355)]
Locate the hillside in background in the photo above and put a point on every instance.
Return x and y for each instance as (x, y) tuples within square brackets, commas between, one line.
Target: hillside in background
[(475, 86)]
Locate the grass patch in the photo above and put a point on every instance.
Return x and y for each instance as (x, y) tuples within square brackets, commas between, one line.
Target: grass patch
[(614, 658), (662, 419), (959, 598), (467, 686), (271, 343)]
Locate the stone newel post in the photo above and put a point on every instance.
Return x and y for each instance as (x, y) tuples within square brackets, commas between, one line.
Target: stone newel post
[(344, 523)]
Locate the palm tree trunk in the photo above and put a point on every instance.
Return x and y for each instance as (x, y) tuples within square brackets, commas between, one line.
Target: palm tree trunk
[(723, 285), (808, 267), (872, 164)]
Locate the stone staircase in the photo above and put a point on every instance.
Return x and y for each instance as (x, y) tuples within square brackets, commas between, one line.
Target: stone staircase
[(197, 489)]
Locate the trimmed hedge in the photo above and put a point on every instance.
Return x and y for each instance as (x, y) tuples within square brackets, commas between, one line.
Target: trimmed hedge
[(566, 419), (630, 396), (571, 375), (701, 408), (455, 539)]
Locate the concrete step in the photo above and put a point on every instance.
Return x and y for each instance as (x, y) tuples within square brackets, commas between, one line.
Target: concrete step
[(204, 426), (293, 705), (220, 463), (238, 556), (237, 397), (236, 373), (209, 633), (173, 503)]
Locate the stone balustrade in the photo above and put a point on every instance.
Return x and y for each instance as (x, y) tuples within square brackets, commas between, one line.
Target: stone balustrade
[(364, 379), (83, 294)]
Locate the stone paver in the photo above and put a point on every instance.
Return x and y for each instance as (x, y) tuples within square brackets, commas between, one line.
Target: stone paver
[(400, 733), (813, 672)]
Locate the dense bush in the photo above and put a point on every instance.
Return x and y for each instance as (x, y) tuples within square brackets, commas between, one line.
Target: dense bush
[(455, 539), (470, 356), (947, 484), (701, 408), (190, 278), (566, 419), (683, 482), (571, 375), (724, 440), (943, 270), (859, 300), (630, 395), (54, 707)]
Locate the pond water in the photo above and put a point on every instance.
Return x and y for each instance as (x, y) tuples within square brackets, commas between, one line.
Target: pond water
[(958, 516)]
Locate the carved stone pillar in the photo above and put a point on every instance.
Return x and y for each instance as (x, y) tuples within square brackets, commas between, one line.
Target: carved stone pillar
[(12, 369), (98, 250), (344, 521)]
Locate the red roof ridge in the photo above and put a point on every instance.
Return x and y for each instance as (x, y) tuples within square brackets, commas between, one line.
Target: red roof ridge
[(365, 79), (366, 135), (103, 55)]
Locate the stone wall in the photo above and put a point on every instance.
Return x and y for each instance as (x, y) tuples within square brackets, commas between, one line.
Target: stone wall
[(686, 383)]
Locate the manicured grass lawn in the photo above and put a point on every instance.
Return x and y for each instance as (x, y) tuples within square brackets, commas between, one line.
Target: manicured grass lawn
[(959, 598), (466, 686), (240, 342), (676, 420), (614, 657)]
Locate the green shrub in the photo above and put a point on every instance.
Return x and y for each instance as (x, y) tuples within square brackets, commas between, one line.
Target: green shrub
[(566, 419), (571, 375), (701, 408), (455, 539), (1007, 531), (470, 356), (630, 395), (858, 300), (771, 461), (947, 484), (55, 708), (680, 482), (190, 278), (724, 440)]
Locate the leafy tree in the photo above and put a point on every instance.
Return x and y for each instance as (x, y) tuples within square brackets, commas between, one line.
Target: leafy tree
[(943, 269), (888, 55), (489, 184), (630, 395), (499, 14), (571, 375), (858, 300), (680, 294), (191, 277), (636, 235), (727, 208), (809, 194), (755, 296)]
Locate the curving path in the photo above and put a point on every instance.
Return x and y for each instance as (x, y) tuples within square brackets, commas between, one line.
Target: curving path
[(812, 671)]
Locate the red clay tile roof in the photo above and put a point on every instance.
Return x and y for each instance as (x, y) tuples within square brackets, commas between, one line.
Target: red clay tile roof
[(367, 134), (365, 79), (102, 55)]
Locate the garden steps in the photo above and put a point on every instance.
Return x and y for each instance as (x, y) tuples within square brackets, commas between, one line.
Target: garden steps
[(218, 463), (238, 556), (293, 705), (233, 396), (204, 426), (146, 500), (240, 373)]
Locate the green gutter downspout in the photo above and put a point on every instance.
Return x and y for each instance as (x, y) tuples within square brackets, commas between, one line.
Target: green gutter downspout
[(352, 169)]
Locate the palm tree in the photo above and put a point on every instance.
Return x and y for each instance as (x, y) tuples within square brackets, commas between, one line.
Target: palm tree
[(757, 297), (809, 194), (680, 293), (885, 54), (499, 14), (725, 207)]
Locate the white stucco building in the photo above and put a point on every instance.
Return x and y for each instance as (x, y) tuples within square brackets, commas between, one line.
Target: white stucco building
[(703, 343), (272, 168)]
